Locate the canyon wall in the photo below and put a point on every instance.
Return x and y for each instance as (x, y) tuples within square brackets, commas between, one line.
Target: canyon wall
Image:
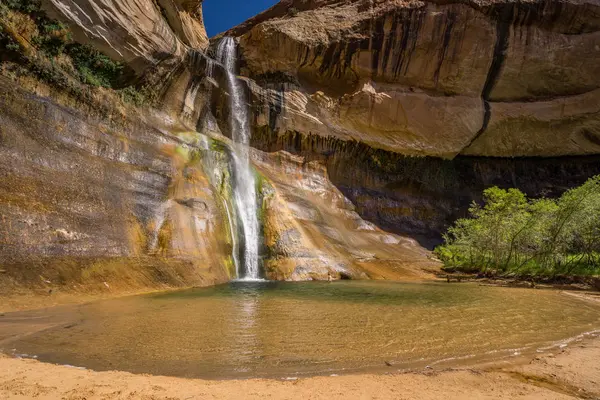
[(422, 196), (102, 199), (416, 107), (429, 78), (150, 37), (375, 124)]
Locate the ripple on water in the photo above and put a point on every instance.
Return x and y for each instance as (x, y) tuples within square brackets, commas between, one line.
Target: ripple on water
[(262, 328)]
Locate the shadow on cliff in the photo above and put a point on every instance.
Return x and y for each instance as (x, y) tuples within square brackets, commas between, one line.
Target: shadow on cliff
[(415, 196), (422, 196)]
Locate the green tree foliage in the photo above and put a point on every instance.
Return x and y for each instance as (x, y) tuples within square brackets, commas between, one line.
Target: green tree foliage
[(25, 6), (54, 43), (511, 234), (94, 68), (53, 38)]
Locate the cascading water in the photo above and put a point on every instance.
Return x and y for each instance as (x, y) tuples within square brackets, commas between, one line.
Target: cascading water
[(159, 220), (244, 190)]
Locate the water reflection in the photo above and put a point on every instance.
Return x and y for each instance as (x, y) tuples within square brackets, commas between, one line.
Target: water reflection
[(245, 323), (248, 329)]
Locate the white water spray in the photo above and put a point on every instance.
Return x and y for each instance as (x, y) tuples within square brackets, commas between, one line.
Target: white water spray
[(235, 255), (244, 190)]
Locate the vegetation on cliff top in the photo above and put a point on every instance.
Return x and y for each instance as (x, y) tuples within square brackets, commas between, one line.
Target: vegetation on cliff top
[(513, 235), (45, 48)]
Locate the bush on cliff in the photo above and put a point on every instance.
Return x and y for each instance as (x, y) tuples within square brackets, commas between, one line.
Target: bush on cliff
[(53, 38), (94, 68), (511, 234), (55, 58)]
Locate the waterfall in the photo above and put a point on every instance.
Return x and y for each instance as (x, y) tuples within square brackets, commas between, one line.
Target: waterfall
[(235, 255), (159, 220), (244, 187)]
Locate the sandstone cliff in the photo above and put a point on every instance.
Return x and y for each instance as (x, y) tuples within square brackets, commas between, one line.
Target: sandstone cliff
[(485, 78), (370, 119), (143, 34), (102, 201), (123, 199)]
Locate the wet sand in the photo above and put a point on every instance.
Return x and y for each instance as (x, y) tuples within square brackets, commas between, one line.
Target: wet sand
[(570, 373)]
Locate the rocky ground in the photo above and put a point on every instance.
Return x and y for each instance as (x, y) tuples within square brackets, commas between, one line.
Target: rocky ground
[(570, 373)]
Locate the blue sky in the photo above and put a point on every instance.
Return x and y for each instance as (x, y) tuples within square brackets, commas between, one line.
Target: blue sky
[(220, 15)]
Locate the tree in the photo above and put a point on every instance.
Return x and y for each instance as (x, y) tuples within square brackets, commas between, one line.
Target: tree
[(511, 234)]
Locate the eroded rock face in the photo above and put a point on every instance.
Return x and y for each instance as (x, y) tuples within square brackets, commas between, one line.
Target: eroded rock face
[(185, 19), (141, 33), (343, 95), (87, 199), (418, 196), (313, 232), (310, 229), (422, 196), (431, 78)]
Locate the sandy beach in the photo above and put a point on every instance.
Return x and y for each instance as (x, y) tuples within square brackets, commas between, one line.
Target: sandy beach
[(564, 372), (572, 372)]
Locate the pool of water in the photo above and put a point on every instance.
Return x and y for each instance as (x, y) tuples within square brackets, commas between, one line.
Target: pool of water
[(275, 329)]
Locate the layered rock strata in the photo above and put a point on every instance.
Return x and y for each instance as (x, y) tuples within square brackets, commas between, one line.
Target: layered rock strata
[(147, 36), (428, 78), (90, 202), (370, 119)]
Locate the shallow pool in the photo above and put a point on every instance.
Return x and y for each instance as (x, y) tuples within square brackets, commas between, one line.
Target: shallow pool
[(277, 329)]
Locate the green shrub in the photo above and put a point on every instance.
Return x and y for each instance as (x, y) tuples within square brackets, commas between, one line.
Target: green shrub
[(25, 6), (132, 95), (12, 46), (510, 234), (6, 41), (53, 38), (94, 68)]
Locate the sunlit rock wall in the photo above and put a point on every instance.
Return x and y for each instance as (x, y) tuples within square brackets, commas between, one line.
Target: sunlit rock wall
[(88, 197), (432, 78), (370, 119), (149, 37), (313, 231)]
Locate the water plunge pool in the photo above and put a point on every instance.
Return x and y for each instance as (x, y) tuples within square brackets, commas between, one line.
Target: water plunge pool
[(277, 329)]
